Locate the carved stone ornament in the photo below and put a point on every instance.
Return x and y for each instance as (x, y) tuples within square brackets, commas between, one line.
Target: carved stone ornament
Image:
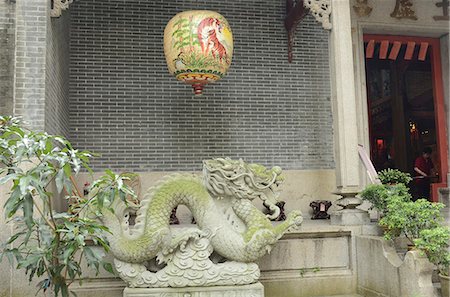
[(362, 8), (403, 10), (59, 6), (321, 10), (228, 223), (189, 266)]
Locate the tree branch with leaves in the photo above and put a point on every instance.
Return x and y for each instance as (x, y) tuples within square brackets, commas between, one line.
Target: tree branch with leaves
[(46, 243)]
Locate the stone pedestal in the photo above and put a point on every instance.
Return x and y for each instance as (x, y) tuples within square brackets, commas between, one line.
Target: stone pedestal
[(350, 217), (444, 197), (253, 290), (349, 214)]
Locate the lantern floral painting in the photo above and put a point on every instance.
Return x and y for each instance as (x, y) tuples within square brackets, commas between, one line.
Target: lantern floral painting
[(198, 46)]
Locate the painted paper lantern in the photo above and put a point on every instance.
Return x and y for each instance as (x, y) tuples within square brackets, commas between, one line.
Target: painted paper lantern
[(198, 45)]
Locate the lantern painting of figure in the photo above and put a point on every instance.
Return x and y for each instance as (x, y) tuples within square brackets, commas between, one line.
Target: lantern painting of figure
[(198, 45)]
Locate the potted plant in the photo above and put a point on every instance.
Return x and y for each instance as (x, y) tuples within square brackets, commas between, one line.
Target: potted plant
[(410, 217), (394, 176), (48, 243), (435, 244), (379, 195)]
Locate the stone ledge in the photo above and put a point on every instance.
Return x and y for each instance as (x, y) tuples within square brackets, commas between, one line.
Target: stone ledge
[(300, 275), (253, 290)]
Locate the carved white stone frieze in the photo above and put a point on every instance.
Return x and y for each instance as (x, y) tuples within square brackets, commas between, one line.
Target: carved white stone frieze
[(59, 6), (321, 10)]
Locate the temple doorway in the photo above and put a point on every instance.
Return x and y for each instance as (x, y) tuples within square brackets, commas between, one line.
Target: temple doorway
[(405, 104)]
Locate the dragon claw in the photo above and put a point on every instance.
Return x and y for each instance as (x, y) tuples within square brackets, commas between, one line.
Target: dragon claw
[(295, 217)]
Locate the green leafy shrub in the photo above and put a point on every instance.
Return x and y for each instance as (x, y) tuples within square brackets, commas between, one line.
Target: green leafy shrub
[(419, 221), (410, 217), (435, 243), (380, 195), (384, 198), (48, 243), (377, 195), (394, 176)]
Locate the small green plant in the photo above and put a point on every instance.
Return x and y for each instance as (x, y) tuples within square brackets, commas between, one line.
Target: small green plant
[(435, 244), (377, 195), (394, 176), (302, 271), (48, 243), (380, 195), (410, 217)]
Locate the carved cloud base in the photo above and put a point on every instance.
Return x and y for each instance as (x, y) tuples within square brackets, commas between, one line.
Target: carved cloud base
[(253, 290), (189, 266)]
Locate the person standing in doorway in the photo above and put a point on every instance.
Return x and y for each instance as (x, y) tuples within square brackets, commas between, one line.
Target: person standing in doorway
[(423, 167)]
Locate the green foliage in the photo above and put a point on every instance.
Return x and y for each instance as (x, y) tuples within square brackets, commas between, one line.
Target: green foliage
[(393, 184), (302, 271), (394, 176), (435, 243), (410, 217), (380, 195), (420, 221), (377, 195), (48, 243)]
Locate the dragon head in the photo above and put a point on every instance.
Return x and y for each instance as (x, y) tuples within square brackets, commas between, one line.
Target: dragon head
[(224, 177)]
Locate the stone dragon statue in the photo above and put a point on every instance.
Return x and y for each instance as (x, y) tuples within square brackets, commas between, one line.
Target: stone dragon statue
[(227, 223)]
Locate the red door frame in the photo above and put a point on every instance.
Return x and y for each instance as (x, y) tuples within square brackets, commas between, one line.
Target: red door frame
[(438, 97)]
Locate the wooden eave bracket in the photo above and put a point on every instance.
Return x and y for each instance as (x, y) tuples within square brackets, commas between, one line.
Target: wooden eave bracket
[(57, 7), (295, 12)]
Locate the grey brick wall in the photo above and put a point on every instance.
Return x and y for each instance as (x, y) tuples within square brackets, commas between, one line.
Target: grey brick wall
[(31, 30), (125, 106), (57, 75), (7, 44)]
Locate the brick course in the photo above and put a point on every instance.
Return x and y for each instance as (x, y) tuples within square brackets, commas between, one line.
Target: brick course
[(125, 106)]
